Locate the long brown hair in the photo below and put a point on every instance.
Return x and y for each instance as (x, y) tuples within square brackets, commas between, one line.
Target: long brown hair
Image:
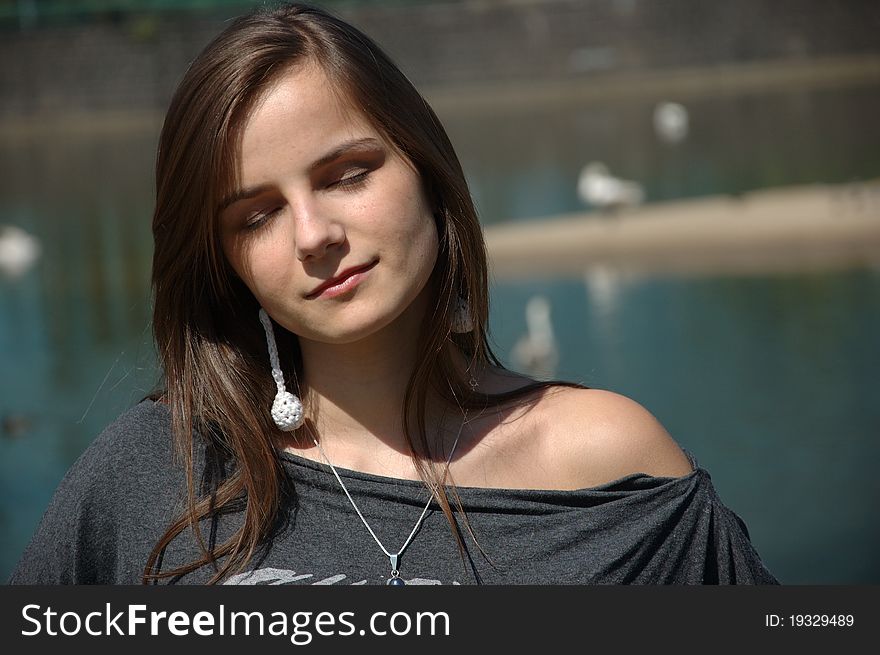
[(217, 381)]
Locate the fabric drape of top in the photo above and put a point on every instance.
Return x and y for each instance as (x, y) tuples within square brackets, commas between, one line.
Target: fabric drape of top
[(119, 497)]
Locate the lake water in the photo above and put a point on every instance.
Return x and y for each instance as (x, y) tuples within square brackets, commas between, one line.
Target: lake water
[(770, 381)]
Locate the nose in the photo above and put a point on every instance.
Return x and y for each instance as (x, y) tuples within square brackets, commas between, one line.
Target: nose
[(315, 231)]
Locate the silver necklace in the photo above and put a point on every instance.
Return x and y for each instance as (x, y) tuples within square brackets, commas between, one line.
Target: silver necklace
[(393, 558)]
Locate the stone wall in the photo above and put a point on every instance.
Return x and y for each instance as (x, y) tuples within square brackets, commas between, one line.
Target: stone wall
[(134, 62)]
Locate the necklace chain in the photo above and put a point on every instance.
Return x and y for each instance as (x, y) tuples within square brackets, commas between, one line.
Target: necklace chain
[(394, 558)]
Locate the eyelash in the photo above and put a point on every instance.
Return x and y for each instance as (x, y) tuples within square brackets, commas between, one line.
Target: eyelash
[(352, 182), (260, 219)]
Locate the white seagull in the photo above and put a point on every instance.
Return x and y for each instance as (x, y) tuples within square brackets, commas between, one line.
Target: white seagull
[(536, 352), (598, 188), (671, 122), (18, 250)]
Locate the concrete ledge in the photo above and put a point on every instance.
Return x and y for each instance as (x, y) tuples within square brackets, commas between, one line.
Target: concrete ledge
[(682, 83), (812, 227)]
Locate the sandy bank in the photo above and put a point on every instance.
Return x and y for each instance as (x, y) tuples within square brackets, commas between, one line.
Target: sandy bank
[(798, 228)]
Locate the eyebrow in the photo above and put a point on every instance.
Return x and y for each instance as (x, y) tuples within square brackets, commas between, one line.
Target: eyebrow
[(247, 193)]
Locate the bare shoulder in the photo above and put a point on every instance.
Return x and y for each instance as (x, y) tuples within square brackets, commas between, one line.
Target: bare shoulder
[(592, 436)]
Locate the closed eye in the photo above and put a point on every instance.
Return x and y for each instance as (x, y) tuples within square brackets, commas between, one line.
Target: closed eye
[(350, 182), (260, 218)]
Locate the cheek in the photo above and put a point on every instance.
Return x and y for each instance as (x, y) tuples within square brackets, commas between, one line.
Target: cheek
[(412, 239), (257, 263), (427, 234), (430, 240), (416, 226)]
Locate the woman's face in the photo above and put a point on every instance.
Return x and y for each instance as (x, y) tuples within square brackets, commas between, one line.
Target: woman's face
[(321, 195)]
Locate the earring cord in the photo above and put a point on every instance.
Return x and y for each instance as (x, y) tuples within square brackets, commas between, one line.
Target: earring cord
[(274, 360)]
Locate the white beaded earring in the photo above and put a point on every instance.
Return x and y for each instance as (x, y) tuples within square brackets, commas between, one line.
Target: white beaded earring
[(287, 410), (461, 319)]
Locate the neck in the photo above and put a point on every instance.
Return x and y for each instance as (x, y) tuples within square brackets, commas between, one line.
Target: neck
[(353, 393)]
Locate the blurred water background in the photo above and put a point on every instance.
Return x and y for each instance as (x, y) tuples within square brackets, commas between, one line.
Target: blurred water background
[(767, 378)]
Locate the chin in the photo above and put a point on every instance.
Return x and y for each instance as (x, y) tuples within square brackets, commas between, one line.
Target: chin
[(367, 316), (344, 332)]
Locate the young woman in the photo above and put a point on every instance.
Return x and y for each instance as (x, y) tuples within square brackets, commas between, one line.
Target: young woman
[(331, 410)]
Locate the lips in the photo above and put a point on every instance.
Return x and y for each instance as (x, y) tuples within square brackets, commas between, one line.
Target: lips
[(347, 273)]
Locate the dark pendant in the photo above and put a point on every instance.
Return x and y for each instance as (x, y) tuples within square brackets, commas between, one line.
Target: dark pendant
[(394, 580)]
